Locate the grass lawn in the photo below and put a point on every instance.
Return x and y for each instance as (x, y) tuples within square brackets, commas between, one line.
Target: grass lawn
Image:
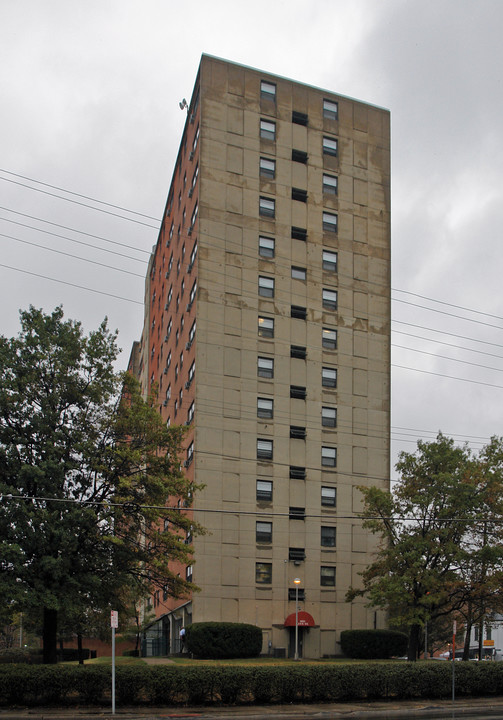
[(107, 660)]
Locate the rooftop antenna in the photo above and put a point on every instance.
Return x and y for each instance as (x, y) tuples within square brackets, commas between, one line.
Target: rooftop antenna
[(183, 105)]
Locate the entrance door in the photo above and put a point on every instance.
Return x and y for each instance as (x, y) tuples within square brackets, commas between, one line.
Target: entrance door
[(291, 643)]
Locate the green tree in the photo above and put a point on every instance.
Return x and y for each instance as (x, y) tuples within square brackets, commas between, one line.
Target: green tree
[(86, 469), (423, 525)]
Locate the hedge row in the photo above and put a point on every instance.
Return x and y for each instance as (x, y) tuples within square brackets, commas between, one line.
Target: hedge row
[(172, 685)]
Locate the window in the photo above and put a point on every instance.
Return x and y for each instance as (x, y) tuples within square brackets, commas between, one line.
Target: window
[(266, 247), (168, 392), (296, 593), (327, 576), (299, 233), (327, 536), (265, 408), (264, 449), (265, 327), (330, 109), (328, 456), (188, 573), (181, 360), (193, 216), (299, 118), (298, 391), (267, 207), (170, 295), (297, 432), (267, 168), (265, 367), (264, 490), (267, 91), (328, 496), (168, 359), (266, 286), (190, 454), (193, 292), (329, 261), (329, 339), (329, 222), (299, 194), (298, 351), (196, 139), (170, 327), (193, 254), (263, 532), (267, 130), (329, 299), (194, 177), (329, 417), (192, 333), (299, 156), (263, 573), (330, 146), (329, 185), (192, 372), (296, 554), (298, 273), (297, 311), (297, 472), (190, 414), (329, 377), (297, 513)]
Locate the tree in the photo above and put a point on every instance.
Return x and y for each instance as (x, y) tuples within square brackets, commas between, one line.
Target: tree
[(422, 525), (86, 469)]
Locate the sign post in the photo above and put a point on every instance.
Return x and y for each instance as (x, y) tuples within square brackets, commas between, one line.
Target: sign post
[(453, 658), (114, 623)]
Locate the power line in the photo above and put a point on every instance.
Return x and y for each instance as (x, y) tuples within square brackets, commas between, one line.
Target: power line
[(443, 312), (76, 257), (65, 227), (64, 282), (85, 197), (444, 357), (442, 302), (76, 202)]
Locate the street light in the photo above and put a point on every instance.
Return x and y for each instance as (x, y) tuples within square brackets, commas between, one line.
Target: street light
[(296, 582)]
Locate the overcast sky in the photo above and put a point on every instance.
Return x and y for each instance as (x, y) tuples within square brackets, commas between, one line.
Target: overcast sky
[(89, 93)]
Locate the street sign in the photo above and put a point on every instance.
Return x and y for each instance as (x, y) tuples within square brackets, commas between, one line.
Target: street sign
[(114, 619)]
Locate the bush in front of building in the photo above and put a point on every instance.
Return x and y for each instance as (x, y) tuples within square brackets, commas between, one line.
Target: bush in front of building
[(373, 644), (20, 655), (216, 640)]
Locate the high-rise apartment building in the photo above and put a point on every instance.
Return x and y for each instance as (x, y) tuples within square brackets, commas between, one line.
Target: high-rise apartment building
[(267, 329)]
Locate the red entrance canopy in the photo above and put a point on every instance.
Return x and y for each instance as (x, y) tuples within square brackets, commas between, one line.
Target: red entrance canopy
[(305, 620)]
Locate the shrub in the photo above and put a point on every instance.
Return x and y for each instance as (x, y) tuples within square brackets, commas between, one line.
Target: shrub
[(169, 685), (224, 640), (16, 655), (373, 644)]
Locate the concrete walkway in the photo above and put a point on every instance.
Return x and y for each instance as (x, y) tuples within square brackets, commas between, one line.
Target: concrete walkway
[(434, 710)]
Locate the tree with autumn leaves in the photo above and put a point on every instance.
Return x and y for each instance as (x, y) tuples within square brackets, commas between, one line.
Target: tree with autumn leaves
[(441, 530), (89, 474)]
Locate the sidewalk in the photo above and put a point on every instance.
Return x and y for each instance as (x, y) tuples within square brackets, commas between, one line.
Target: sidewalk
[(429, 710)]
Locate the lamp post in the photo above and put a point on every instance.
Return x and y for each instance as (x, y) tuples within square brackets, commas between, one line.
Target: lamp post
[(296, 582)]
